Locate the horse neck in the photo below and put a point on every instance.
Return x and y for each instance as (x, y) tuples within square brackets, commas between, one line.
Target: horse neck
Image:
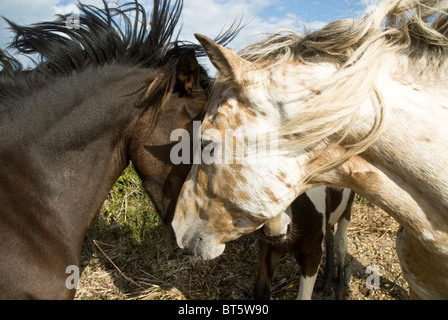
[(405, 170), (67, 141), (412, 148)]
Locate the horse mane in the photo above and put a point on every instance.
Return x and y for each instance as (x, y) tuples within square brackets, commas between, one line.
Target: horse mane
[(407, 36), (106, 35)]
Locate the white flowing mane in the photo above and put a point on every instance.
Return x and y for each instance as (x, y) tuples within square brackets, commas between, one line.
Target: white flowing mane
[(408, 35)]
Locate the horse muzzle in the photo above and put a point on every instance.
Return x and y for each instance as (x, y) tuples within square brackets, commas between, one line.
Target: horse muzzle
[(192, 237), (200, 245)]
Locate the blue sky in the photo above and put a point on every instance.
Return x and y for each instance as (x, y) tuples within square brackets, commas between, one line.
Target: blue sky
[(208, 16)]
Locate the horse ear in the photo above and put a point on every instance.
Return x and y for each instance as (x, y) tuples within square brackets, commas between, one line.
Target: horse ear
[(226, 60), (187, 71)]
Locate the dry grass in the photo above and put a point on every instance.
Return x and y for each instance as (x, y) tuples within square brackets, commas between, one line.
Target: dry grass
[(125, 257)]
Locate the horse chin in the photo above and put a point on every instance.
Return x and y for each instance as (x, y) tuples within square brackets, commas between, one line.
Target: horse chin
[(209, 252), (202, 246), (204, 249)]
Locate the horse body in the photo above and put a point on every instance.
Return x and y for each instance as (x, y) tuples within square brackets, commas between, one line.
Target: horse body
[(51, 147), (404, 170), (69, 127), (60, 162), (359, 104)]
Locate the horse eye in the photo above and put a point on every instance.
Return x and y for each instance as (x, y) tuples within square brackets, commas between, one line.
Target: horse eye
[(210, 150), (205, 143)]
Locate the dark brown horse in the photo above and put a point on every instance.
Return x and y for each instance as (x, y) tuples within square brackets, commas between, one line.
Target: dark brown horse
[(101, 95)]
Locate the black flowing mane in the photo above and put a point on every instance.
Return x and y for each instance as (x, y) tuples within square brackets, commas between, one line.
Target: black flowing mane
[(118, 35)]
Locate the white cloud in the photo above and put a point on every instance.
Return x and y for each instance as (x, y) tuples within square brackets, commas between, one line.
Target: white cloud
[(27, 11)]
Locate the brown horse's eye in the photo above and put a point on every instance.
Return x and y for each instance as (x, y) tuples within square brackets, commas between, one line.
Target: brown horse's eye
[(210, 145), (205, 143)]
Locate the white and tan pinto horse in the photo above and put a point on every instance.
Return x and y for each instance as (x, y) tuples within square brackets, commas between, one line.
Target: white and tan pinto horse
[(360, 104)]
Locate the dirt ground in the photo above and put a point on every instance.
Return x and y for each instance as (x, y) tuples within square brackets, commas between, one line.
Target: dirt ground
[(115, 267)]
